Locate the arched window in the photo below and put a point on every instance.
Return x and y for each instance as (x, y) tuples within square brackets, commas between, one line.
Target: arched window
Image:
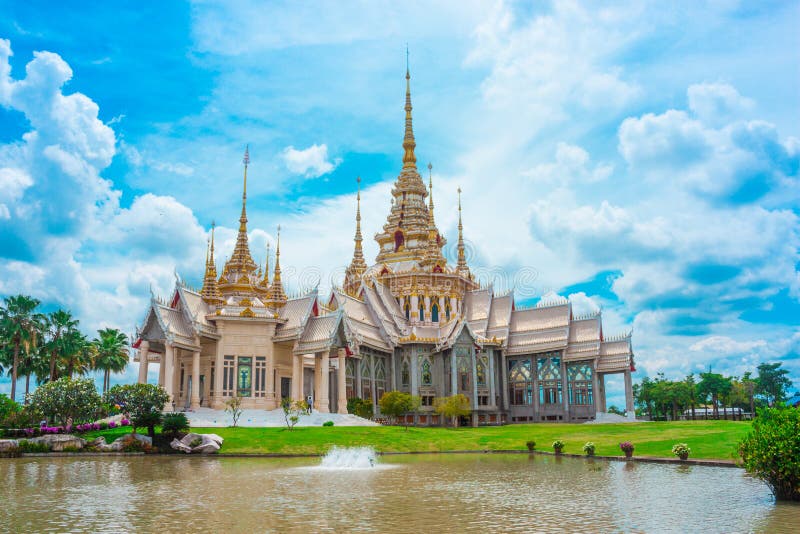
[(435, 312), (425, 373), (350, 377), (399, 240), (421, 310), (520, 389), (549, 370), (480, 371), (407, 308), (579, 381), (405, 375), (380, 377), (366, 380), (447, 308)]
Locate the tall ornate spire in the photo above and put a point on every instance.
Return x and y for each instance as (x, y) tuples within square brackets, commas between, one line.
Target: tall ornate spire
[(210, 291), (434, 250), (409, 144), (461, 266), (277, 297), (352, 278), (240, 267)]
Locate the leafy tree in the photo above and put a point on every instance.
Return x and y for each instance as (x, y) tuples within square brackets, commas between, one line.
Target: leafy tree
[(233, 406), (396, 403), (361, 407), (142, 402), (771, 449), (20, 329), (690, 386), (454, 407), (67, 399), (772, 382), (7, 407), (613, 409), (110, 354), (714, 385), (292, 410), (59, 325)]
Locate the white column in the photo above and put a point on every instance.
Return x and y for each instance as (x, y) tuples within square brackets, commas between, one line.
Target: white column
[(414, 307), (269, 396), (341, 384), (161, 372), (595, 388), (414, 371), (427, 304), (219, 368), (453, 372), (324, 382), (601, 381), (144, 350), (492, 379), (629, 392), (317, 380), (169, 370), (297, 377), (453, 307), (195, 395), (474, 378), (504, 380)]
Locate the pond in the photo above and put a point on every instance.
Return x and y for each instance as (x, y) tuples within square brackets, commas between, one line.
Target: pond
[(460, 492)]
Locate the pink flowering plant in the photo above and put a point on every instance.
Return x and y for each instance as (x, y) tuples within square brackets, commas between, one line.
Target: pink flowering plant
[(627, 447)]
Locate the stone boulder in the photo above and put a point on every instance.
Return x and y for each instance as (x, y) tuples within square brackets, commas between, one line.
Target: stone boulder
[(8, 445), (209, 443), (147, 440), (58, 442), (101, 444)]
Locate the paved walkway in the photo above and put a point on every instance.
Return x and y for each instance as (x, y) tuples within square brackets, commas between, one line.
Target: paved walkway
[(206, 417)]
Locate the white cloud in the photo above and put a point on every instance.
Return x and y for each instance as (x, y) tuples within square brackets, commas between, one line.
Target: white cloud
[(311, 162), (717, 103)]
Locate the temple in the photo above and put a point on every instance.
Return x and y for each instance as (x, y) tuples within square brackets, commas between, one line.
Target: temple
[(410, 322)]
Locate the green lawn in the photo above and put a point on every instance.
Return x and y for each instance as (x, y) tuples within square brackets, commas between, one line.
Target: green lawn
[(707, 439)]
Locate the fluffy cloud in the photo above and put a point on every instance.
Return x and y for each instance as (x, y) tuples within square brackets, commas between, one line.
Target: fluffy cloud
[(311, 162)]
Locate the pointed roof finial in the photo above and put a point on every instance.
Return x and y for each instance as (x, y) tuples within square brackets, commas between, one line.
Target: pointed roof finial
[(430, 187), (352, 280), (266, 268), (409, 144), (462, 258), (277, 297), (210, 291)]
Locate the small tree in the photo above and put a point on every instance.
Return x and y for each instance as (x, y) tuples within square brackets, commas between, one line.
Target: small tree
[(67, 399), (772, 382), (770, 451), (454, 407), (233, 406), (396, 403), (174, 423), (360, 407), (142, 402), (292, 410)]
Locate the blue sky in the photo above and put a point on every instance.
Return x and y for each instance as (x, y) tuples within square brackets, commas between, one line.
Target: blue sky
[(640, 157)]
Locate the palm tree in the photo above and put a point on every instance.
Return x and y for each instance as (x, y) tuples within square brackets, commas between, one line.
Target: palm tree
[(19, 325), (34, 363), (111, 354), (59, 324), (78, 353)]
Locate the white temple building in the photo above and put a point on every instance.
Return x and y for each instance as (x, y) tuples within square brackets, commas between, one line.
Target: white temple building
[(409, 322)]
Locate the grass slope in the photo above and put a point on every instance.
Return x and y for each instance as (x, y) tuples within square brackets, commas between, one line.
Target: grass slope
[(707, 439)]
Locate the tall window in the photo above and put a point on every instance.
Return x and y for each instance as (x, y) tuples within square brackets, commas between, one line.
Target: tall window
[(366, 379), (425, 372), (464, 368), (435, 312), (183, 378), (244, 380), (350, 377), (549, 374), (480, 370), (579, 381), (261, 376), (520, 386), (447, 308), (213, 377), (407, 309), (227, 376), (421, 310), (380, 377), (405, 375)]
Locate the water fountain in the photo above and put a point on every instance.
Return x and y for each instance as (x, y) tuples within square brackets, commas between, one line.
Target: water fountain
[(339, 458)]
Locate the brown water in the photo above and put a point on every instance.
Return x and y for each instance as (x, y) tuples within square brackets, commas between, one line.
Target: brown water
[(439, 493)]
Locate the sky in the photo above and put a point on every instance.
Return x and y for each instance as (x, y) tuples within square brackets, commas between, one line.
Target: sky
[(640, 158)]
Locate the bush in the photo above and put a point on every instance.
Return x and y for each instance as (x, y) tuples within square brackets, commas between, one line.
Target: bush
[(681, 450), (589, 449), (8, 407), (327, 423), (530, 444), (148, 420), (131, 444), (558, 446), (771, 451), (396, 403), (139, 401), (360, 407), (174, 423), (67, 399)]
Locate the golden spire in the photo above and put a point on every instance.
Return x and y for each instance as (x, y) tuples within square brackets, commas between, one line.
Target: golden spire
[(409, 159), (352, 278), (266, 267), (276, 295), (210, 291), (239, 268), (434, 251), (462, 259)]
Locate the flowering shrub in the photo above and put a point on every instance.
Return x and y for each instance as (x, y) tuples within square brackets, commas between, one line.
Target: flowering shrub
[(627, 447), (112, 424), (558, 446), (589, 449), (681, 450), (67, 399), (125, 422)]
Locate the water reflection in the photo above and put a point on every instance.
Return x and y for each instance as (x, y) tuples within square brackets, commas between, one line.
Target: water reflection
[(446, 492)]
